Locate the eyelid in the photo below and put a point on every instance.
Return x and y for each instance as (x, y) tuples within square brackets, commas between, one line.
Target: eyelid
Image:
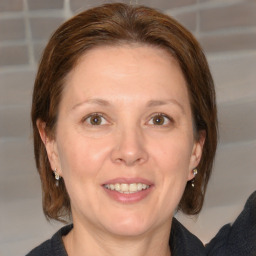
[(94, 114), (170, 119)]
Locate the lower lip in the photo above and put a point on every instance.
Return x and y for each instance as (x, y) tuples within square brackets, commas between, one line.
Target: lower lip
[(128, 198)]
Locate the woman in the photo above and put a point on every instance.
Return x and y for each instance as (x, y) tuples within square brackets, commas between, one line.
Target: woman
[(125, 133)]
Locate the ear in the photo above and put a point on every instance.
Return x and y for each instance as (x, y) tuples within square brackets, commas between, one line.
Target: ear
[(196, 153), (50, 146)]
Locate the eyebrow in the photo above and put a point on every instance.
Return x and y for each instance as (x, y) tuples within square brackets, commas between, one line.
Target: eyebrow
[(156, 103), (92, 101), (151, 103)]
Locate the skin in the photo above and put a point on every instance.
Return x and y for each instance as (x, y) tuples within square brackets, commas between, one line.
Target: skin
[(130, 87)]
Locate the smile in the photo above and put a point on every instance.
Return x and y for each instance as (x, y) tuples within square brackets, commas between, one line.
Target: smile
[(127, 188)]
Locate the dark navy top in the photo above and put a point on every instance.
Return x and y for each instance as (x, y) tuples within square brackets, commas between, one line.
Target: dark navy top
[(182, 243), (238, 239)]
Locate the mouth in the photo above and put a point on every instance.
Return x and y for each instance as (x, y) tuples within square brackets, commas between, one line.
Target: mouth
[(126, 188)]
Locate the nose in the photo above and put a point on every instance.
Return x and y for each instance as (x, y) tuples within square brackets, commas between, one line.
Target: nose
[(129, 148)]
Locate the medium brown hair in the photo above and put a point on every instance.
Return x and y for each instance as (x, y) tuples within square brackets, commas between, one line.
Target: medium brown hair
[(115, 24)]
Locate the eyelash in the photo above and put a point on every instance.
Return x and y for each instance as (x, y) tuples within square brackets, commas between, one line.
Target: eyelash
[(101, 116), (170, 120)]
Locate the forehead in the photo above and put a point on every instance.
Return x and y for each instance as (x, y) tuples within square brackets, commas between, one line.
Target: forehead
[(128, 55), (134, 70)]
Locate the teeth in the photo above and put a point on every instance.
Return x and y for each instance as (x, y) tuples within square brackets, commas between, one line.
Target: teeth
[(139, 186), (127, 188), (144, 186), (117, 187), (133, 187), (124, 187)]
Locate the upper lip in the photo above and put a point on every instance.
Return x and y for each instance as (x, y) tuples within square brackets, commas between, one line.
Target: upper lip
[(124, 180)]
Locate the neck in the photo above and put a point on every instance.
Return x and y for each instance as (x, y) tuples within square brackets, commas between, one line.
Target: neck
[(83, 241)]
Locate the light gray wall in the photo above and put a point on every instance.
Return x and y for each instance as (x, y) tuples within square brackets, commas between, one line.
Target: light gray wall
[(227, 32)]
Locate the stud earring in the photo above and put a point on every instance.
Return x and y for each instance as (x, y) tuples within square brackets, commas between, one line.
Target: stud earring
[(193, 180), (57, 177)]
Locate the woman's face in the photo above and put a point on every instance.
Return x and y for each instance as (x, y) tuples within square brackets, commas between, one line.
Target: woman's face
[(124, 140)]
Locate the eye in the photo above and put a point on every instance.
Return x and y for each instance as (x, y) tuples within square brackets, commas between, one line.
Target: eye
[(95, 119), (160, 119)]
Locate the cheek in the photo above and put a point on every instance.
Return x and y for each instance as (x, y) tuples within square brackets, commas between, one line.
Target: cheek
[(81, 156), (171, 158), (173, 153)]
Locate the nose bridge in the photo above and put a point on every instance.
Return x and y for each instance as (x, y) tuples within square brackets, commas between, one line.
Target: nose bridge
[(129, 145)]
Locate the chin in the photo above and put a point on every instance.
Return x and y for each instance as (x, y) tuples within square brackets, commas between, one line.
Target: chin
[(124, 231), (128, 226)]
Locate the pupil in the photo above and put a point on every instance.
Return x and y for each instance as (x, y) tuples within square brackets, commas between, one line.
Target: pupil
[(96, 120), (158, 120)]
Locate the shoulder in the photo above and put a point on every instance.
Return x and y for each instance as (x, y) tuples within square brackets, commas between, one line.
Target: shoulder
[(41, 250), (183, 242), (53, 246), (239, 238)]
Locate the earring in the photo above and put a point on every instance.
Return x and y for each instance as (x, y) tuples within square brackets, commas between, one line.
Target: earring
[(57, 177), (193, 180)]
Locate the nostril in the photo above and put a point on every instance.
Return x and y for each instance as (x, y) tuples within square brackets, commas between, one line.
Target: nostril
[(129, 160), (129, 149)]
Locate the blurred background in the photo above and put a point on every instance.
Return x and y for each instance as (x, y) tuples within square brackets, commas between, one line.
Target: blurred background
[(227, 31)]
